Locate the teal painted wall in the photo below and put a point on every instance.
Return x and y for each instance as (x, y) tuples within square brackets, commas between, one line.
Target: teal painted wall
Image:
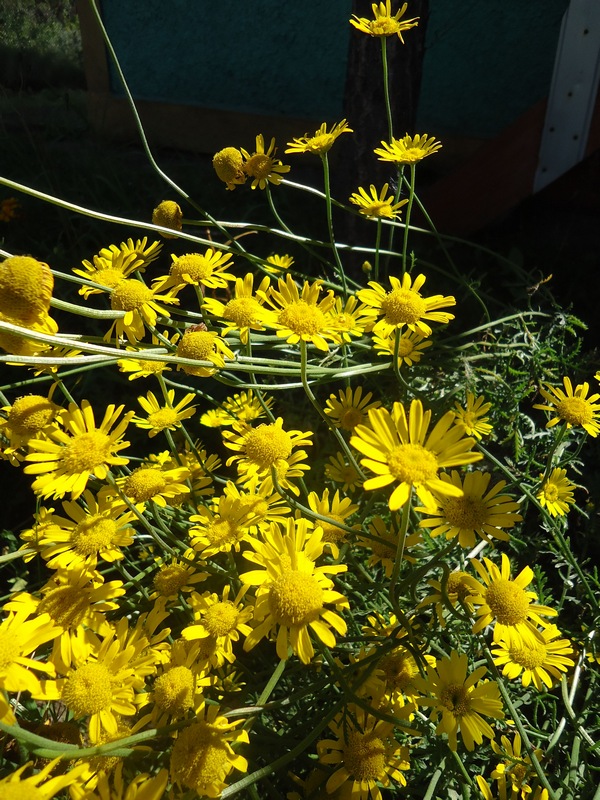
[(486, 61)]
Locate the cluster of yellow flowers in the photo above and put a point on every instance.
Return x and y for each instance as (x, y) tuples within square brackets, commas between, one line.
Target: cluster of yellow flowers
[(173, 576)]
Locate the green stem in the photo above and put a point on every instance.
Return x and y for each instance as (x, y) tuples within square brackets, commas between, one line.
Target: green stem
[(328, 206), (386, 86), (411, 197)]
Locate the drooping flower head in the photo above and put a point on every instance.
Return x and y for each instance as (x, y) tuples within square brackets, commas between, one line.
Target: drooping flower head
[(408, 150), (228, 163), (199, 344), (321, 142), (168, 215), (541, 662), (26, 286), (29, 417), (384, 24), (572, 406)]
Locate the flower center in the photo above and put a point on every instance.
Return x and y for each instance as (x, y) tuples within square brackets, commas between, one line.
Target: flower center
[(108, 276), (242, 311), (85, 451), (457, 586), (399, 668), (170, 579), (150, 366), (88, 690), (302, 318), (331, 533), (465, 512), (350, 418), (403, 307), (144, 483), (67, 605), (412, 463), (200, 758), (130, 295), (25, 288), (174, 691), (405, 346), (196, 266), (197, 344), (455, 698), (529, 657), (9, 649), (508, 602), (551, 492), (320, 144), (267, 444), (221, 619), (224, 532), (383, 26), (31, 414), (575, 411), (259, 166), (364, 756), (162, 418), (295, 598), (94, 534)]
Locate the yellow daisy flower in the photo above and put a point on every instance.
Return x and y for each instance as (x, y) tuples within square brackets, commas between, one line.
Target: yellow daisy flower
[(321, 142), (168, 215), (109, 268), (349, 408), (262, 166), (228, 163), (460, 699), (26, 286), (410, 347), (245, 311), (197, 269), (152, 481), (198, 344), (203, 758), (472, 419), (364, 754), (540, 662), (167, 417), (200, 465), (384, 23), (29, 417), (221, 619), (141, 787), (456, 589), (276, 264), (478, 512), (142, 307), (399, 450), (40, 786), (337, 509), (515, 773), (556, 493), (221, 528), (301, 315), (351, 318), (262, 505), (139, 367), (339, 470), (176, 576), (377, 206), (572, 406), (293, 593), (146, 253), (507, 603), (382, 541), (404, 306), (245, 406), (408, 150), (178, 687), (65, 461)]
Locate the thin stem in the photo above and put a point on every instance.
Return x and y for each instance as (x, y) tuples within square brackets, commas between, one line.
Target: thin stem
[(336, 255), (386, 86), (411, 197)]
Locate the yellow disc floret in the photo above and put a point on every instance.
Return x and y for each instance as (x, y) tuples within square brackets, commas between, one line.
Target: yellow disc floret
[(88, 690), (456, 699), (412, 463), (302, 318), (174, 690), (364, 756), (144, 483), (267, 444), (130, 295), (86, 451), (25, 289), (531, 656), (94, 534), (30, 414), (575, 410), (403, 306), (221, 618), (295, 598), (508, 602)]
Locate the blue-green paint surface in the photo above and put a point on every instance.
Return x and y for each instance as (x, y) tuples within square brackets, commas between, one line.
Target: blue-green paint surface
[(486, 62)]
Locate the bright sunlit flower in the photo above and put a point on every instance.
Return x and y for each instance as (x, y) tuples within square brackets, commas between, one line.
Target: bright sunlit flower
[(262, 166), (29, 417), (404, 306), (541, 662), (198, 344), (241, 407), (377, 206), (228, 163), (113, 264), (398, 449), (262, 505), (136, 366), (350, 318), (197, 269), (167, 417), (384, 23), (472, 418), (408, 150), (39, 786), (276, 264), (321, 142), (26, 286), (365, 754), (514, 774), (410, 347), (245, 311), (337, 509), (293, 593), (572, 406), (142, 307), (153, 481), (556, 493), (65, 461), (220, 528), (349, 408), (221, 619), (176, 576), (507, 603), (460, 699), (168, 215), (478, 512)]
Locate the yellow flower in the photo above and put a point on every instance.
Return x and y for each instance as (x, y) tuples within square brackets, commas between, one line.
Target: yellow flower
[(65, 461), (350, 408), (197, 269), (293, 592), (478, 512), (377, 206), (151, 481), (198, 344), (262, 166), (245, 311), (472, 419), (221, 528), (111, 266), (167, 417), (276, 264), (202, 757), (241, 407), (404, 306), (365, 754), (141, 787), (29, 417), (221, 619), (410, 347), (177, 576), (168, 215), (408, 150), (140, 248), (507, 603), (456, 588), (141, 307), (382, 541), (139, 367), (321, 142), (25, 290), (39, 786), (540, 662), (228, 163), (262, 505), (460, 699), (572, 406), (339, 470), (336, 509), (384, 23), (556, 493), (351, 318), (399, 450), (178, 688), (301, 316)]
